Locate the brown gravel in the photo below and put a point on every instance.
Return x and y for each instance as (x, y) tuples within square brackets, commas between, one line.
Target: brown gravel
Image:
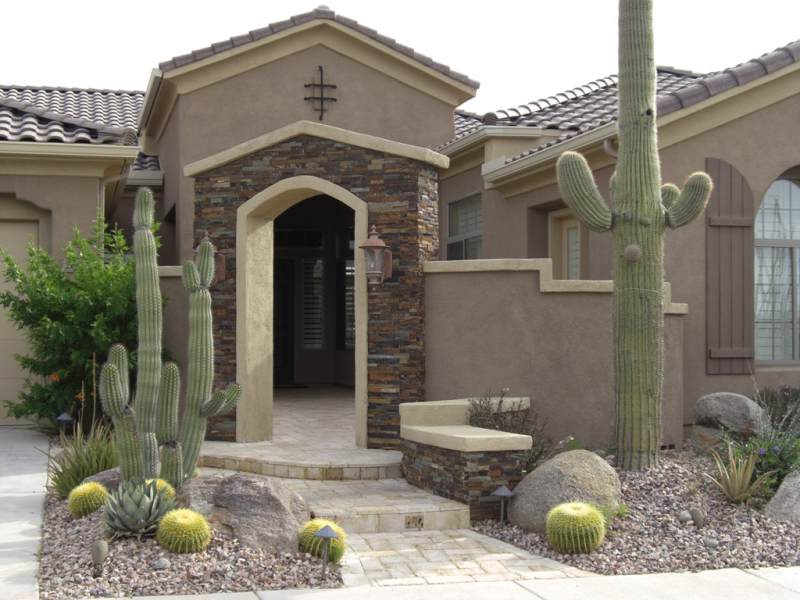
[(65, 570), (651, 538)]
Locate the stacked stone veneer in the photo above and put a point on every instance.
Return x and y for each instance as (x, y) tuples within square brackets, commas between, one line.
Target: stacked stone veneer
[(402, 197), (468, 477)]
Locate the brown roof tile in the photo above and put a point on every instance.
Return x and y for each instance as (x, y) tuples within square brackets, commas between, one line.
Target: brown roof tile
[(321, 12)]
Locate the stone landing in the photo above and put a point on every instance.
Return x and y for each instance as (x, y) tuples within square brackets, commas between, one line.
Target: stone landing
[(388, 505)]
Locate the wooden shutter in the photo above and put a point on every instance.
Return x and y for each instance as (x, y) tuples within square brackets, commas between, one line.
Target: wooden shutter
[(729, 272)]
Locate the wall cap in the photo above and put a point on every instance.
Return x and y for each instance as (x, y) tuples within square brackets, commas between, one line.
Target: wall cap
[(170, 271), (320, 130), (546, 282), (463, 438)]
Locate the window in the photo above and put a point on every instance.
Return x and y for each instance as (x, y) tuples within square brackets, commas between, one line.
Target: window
[(777, 243), (565, 244), (465, 229), (313, 298)]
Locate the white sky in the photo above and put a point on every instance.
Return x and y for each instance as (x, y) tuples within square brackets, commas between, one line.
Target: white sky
[(518, 50)]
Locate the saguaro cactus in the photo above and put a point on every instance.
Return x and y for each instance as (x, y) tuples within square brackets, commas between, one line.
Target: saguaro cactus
[(149, 443), (641, 210)]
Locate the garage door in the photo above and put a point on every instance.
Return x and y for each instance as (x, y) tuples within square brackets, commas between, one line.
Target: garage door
[(14, 238)]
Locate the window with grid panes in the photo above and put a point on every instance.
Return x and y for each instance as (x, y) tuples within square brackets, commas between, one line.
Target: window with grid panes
[(465, 229), (776, 300)]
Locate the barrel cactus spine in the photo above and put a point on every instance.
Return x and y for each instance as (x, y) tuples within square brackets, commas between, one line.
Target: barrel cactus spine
[(642, 210), (183, 531), (149, 440), (86, 498), (316, 546)]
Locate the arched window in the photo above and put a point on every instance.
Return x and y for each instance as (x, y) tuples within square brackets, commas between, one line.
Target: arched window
[(777, 256)]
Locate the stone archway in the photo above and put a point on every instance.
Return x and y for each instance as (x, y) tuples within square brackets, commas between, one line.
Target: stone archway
[(254, 301)]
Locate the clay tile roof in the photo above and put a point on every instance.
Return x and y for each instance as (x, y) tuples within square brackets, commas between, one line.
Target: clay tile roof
[(69, 115), (321, 12), (146, 162), (595, 104)]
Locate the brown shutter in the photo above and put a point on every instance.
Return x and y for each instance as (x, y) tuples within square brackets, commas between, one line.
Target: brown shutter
[(729, 272)]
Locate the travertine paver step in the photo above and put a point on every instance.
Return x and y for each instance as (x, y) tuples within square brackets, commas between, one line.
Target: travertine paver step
[(301, 461), (453, 556), (388, 505)]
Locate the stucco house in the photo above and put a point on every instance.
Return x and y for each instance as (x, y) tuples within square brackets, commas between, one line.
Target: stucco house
[(288, 143)]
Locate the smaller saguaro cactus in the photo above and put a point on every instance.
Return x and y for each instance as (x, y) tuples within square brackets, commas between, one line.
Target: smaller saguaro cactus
[(150, 442)]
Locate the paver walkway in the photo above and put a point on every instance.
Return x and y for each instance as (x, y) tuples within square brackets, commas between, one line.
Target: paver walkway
[(449, 556), (23, 474)]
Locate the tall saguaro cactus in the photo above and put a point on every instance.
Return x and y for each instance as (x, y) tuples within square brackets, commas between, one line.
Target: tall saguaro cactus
[(148, 438), (641, 210)]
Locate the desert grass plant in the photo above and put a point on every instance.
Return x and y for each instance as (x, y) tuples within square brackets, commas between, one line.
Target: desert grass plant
[(511, 416), (575, 528), (183, 531), (782, 408), (86, 499), (81, 456), (736, 475), (315, 545)]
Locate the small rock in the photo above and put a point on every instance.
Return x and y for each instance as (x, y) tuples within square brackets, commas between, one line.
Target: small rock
[(698, 517), (161, 563), (684, 516), (711, 542)]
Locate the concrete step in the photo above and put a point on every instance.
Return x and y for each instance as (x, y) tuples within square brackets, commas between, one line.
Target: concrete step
[(302, 462), (387, 505)]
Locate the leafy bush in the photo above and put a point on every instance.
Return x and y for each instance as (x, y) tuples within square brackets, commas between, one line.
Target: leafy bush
[(782, 406), (69, 313), (81, 457), (777, 455), (735, 476), (510, 416)]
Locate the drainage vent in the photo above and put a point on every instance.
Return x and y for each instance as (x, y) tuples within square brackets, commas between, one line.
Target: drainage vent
[(414, 521)]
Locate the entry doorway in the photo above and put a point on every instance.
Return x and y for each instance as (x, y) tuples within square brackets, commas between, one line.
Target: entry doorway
[(314, 295)]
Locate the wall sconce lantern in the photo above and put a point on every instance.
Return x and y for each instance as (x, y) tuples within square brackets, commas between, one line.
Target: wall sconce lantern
[(378, 258)]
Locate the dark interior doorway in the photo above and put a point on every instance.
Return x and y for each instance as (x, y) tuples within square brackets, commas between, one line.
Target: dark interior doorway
[(314, 301)]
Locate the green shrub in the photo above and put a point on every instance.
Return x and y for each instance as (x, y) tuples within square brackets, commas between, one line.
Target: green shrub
[(782, 406), (183, 531), (81, 457), (736, 475), (776, 455), (575, 528), (510, 416), (315, 546), (69, 312), (86, 498)]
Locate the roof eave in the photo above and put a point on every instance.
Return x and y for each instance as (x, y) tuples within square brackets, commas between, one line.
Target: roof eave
[(484, 132), (67, 151)]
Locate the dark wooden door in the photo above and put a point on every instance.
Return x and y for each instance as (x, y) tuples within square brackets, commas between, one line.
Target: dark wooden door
[(283, 326)]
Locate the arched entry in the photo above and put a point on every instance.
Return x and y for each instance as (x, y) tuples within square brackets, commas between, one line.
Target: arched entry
[(255, 251)]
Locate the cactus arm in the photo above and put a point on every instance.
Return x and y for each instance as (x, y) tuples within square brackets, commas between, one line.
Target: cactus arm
[(118, 356), (167, 432), (579, 191), (149, 314), (126, 436), (222, 401), (691, 201), (205, 262), (669, 193)]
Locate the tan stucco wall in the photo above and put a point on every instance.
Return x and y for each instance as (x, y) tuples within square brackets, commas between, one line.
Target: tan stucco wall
[(71, 201), (761, 145), (240, 108), (503, 332), (176, 321)]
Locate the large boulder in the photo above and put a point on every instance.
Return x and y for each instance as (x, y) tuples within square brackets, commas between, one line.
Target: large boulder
[(785, 504), (575, 475), (731, 412), (261, 512), (109, 478)]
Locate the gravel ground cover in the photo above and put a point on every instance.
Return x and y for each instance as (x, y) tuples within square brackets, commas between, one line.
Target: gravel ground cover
[(143, 568), (652, 538)]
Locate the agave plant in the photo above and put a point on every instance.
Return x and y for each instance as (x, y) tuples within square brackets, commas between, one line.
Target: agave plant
[(735, 477), (136, 508)]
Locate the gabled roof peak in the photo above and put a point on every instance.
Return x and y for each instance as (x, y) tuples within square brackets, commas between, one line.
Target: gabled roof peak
[(322, 12)]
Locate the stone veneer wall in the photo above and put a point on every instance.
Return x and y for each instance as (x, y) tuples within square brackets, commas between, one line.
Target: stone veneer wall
[(468, 477), (402, 198)]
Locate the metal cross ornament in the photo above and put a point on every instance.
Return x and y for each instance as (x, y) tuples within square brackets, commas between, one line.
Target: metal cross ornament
[(319, 92)]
